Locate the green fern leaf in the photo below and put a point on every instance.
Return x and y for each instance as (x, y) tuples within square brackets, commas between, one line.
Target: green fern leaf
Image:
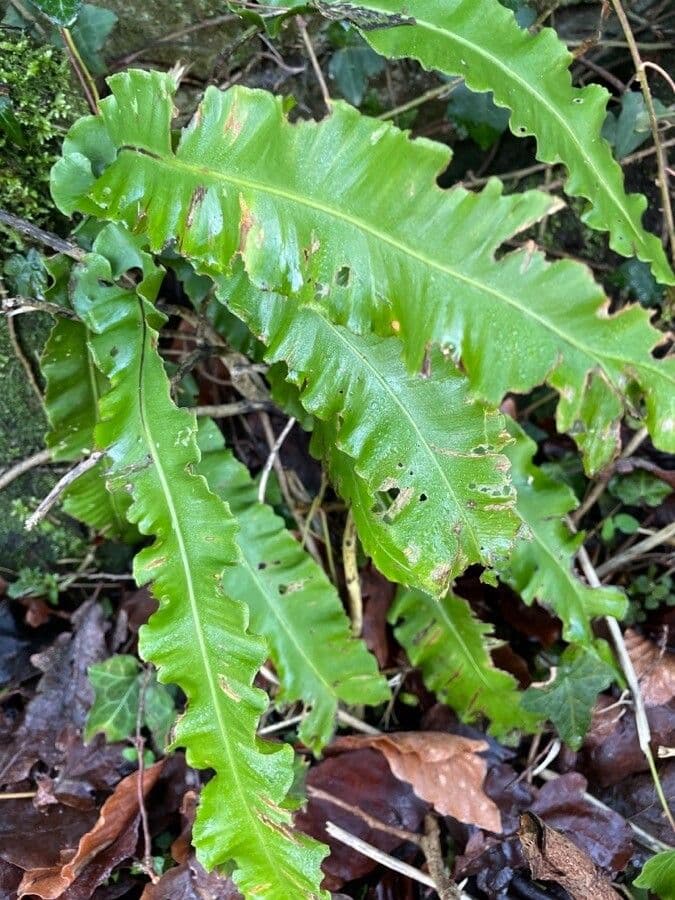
[(422, 449), (451, 647), (73, 388), (403, 257), (541, 565), (291, 602), (198, 638), (528, 74)]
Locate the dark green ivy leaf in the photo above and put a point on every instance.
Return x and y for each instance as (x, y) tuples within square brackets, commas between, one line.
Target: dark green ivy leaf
[(117, 687), (60, 12), (639, 488), (90, 32), (477, 114), (568, 700), (26, 274), (351, 67)]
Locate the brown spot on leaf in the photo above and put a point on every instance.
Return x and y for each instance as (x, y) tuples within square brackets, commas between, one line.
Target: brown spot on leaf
[(195, 202)]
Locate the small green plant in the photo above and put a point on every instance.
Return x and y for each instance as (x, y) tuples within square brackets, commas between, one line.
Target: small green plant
[(398, 328)]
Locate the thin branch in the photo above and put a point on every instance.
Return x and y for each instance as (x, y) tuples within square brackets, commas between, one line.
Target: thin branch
[(40, 236), (81, 70), (60, 486), (139, 743), (641, 721), (378, 855), (377, 824), (661, 161), (227, 410), (436, 93), (269, 462), (309, 47), (662, 536), (41, 458), (16, 306), (21, 356)]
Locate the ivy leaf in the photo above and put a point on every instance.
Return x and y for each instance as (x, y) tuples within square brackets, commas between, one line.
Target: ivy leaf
[(159, 711), (351, 67), (658, 875), (370, 253), (638, 488), (117, 690), (26, 273), (199, 637), (292, 602), (569, 699), (451, 647), (60, 12), (477, 113), (528, 74), (90, 33)]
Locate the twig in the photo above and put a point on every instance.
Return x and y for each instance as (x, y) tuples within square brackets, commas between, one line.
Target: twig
[(125, 61), (60, 486), (41, 458), (642, 836), (377, 824), (19, 795), (659, 537), (227, 410), (139, 743), (309, 47), (279, 726), (653, 121), (40, 235), (21, 356), (431, 847), (16, 306), (80, 69), (351, 721), (269, 462), (379, 856), (436, 93), (351, 569), (641, 721)]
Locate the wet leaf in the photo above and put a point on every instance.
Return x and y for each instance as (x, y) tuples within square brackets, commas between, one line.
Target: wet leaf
[(363, 779), (116, 828), (569, 698), (443, 769), (654, 667), (117, 687), (553, 857)]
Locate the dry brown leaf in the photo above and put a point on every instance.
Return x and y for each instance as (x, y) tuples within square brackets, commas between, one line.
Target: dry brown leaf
[(443, 769), (654, 667), (553, 857), (118, 815)]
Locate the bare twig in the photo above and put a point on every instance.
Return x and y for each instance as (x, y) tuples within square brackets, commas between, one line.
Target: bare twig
[(654, 540), (40, 236), (61, 485), (41, 458), (139, 743), (227, 410), (374, 853), (16, 306), (400, 833), (436, 93), (269, 462), (641, 721), (351, 721), (661, 162), (309, 47), (351, 569), (21, 356)]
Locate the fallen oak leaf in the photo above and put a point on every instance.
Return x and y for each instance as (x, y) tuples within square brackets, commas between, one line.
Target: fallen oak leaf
[(553, 857), (443, 769), (118, 817), (654, 667)]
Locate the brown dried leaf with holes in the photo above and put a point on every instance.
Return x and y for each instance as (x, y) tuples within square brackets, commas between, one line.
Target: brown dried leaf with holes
[(553, 857), (654, 667), (443, 769)]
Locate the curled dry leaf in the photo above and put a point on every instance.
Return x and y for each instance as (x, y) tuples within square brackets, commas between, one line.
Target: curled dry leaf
[(444, 769), (118, 821), (553, 857), (654, 667)]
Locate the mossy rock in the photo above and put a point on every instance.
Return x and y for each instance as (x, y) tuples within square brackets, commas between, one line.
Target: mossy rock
[(22, 428), (39, 95)]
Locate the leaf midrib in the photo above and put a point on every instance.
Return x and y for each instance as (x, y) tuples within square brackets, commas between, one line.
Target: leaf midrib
[(190, 585), (329, 211)]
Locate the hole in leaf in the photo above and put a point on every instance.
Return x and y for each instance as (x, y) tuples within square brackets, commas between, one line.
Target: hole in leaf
[(423, 498), (343, 276)]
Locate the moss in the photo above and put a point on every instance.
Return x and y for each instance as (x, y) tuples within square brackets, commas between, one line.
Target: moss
[(22, 428), (37, 82)]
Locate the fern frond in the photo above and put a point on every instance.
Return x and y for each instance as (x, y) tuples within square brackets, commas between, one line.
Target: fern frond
[(451, 647), (291, 602), (428, 456), (73, 387), (541, 566), (401, 256), (528, 74), (199, 636)]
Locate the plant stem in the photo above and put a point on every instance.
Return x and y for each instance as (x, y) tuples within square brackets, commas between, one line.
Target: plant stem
[(81, 70), (432, 94)]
